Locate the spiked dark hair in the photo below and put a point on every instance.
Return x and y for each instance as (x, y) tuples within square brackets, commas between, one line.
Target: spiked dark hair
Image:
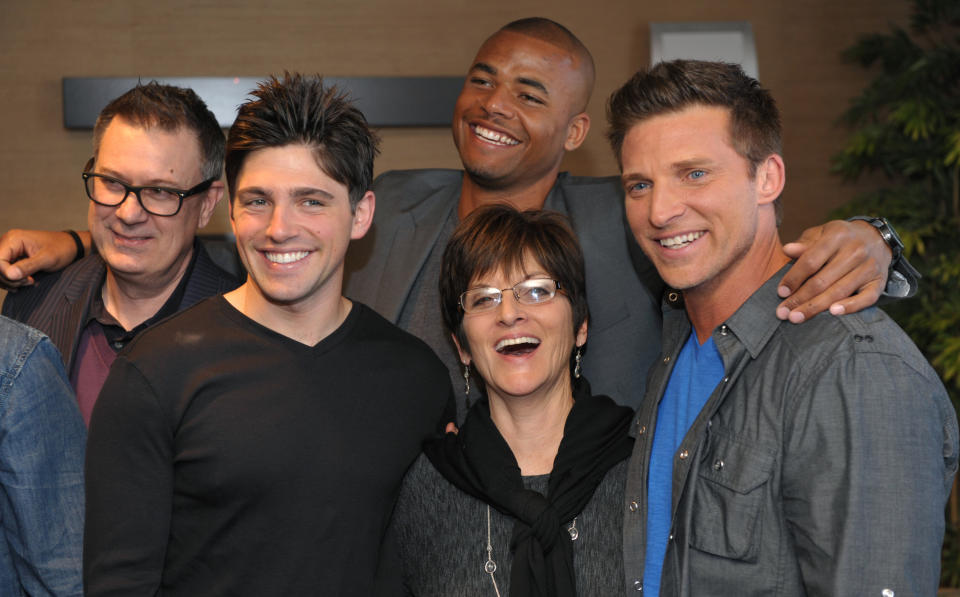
[(300, 109)]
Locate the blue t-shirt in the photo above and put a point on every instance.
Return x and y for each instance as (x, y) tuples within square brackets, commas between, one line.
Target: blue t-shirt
[(696, 373)]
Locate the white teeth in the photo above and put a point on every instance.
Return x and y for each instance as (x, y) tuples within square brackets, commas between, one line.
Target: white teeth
[(287, 257), (681, 240), (514, 341), (494, 136)]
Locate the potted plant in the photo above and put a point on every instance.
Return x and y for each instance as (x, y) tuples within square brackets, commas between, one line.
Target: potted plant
[(906, 133)]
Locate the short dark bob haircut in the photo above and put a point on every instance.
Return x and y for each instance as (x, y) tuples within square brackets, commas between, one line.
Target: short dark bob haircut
[(498, 237)]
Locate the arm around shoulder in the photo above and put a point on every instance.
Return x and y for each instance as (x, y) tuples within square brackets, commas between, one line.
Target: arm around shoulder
[(26, 252)]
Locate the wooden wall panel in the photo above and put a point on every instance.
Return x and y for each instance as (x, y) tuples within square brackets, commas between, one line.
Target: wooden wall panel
[(798, 45)]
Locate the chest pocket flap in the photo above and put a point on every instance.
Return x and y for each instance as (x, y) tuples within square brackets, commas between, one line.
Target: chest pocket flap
[(730, 490)]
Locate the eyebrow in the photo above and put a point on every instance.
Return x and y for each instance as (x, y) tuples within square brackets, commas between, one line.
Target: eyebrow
[(297, 192), (154, 182), (693, 163), (307, 191), (533, 83), (484, 67)]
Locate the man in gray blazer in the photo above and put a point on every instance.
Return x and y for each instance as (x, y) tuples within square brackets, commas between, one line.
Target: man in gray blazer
[(521, 109)]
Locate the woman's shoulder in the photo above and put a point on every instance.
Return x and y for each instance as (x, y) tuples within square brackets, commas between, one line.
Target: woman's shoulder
[(425, 493)]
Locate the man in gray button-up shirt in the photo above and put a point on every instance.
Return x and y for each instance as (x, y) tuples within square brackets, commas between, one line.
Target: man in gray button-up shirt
[(810, 460)]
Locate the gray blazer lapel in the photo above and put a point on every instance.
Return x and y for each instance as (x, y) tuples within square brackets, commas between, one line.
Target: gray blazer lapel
[(415, 235)]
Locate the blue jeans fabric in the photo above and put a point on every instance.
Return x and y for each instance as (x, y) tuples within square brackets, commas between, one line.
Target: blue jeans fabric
[(42, 441)]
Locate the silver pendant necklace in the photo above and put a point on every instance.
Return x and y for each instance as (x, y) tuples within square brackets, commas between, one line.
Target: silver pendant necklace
[(490, 566)]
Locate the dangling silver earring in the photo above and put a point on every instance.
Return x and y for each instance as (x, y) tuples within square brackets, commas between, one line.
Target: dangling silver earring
[(466, 380), (576, 367)]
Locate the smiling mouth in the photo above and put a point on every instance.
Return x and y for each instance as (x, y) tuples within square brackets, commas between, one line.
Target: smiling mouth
[(288, 257), (493, 136), (517, 346), (681, 240), (129, 237)]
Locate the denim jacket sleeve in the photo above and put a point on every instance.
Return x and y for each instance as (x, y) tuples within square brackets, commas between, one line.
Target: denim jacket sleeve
[(42, 439)]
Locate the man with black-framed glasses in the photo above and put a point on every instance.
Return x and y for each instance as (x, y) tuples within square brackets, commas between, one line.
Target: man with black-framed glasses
[(153, 180)]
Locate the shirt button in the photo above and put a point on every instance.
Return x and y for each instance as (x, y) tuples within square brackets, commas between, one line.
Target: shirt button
[(634, 506), (642, 430), (670, 538), (637, 585), (684, 454), (726, 379), (718, 465), (723, 330)]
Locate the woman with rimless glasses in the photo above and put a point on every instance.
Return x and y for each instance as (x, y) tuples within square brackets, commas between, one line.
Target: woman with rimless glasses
[(525, 499)]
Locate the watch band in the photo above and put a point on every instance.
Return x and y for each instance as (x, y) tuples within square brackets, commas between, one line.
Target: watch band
[(887, 233), (78, 243), (902, 279)]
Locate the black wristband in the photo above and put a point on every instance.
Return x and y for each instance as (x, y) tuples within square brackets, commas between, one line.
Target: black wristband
[(78, 242)]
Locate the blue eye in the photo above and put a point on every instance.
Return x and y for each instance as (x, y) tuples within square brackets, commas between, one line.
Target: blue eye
[(698, 174)]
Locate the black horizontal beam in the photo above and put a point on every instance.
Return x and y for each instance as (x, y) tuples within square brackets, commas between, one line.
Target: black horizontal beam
[(385, 101)]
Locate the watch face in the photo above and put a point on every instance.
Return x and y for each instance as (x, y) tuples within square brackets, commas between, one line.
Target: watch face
[(889, 235)]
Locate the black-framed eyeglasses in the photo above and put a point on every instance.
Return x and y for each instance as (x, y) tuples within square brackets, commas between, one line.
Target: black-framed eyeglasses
[(159, 201), (534, 291)]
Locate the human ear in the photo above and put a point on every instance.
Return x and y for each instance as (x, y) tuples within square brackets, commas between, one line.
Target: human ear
[(363, 215), (465, 357), (577, 131), (209, 201), (770, 179), (581, 338)]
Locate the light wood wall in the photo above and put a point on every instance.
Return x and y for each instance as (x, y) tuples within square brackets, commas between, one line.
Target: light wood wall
[(798, 45)]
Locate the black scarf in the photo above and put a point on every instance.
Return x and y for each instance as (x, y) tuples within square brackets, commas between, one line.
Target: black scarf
[(479, 462)]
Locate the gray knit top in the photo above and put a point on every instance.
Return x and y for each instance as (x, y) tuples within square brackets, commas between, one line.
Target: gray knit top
[(442, 534)]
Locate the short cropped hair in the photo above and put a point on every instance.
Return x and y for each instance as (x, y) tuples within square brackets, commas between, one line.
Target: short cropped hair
[(301, 110), (168, 108), (554, 33), (498, 237), (755, 131)]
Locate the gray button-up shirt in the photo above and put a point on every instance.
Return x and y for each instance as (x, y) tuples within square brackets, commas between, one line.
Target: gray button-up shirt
[(820, 465)]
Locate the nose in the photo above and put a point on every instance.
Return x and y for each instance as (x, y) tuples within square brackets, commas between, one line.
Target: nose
[(510, 311), (664, 206), (279, 229), (130, 211), (498, 102)]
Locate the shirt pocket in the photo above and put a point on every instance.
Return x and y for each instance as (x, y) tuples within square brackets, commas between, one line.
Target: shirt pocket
[(729, 496)]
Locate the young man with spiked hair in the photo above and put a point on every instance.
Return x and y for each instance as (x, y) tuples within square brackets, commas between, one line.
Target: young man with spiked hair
[(254, 444)]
